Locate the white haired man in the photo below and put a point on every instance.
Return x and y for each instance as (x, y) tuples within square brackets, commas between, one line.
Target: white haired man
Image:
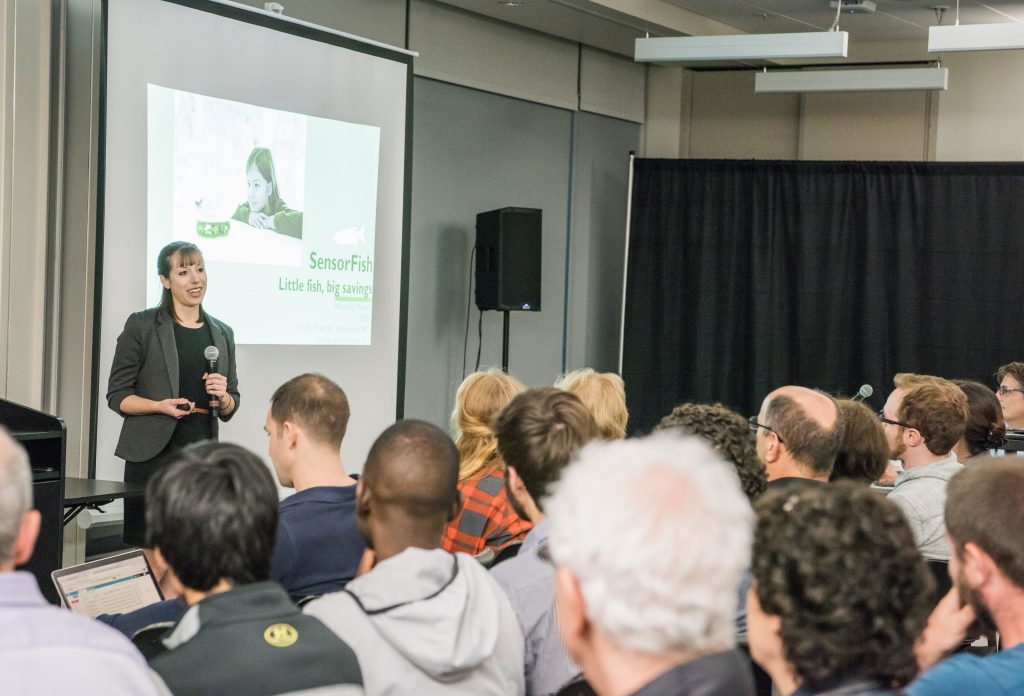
[(47, 650), (650, 538)]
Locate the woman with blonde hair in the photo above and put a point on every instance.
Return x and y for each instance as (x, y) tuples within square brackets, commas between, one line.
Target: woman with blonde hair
[(492, 522), (604, 395)]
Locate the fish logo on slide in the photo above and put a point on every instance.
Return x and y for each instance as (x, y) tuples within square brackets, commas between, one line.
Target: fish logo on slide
[(350, 236)]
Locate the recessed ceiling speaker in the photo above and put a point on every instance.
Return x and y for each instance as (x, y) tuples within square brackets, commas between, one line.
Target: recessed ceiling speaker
[(854, 6)]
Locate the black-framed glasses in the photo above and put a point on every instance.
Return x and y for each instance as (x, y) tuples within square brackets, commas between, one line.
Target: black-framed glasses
[(1003, 390), (881, 417), (754, 425)]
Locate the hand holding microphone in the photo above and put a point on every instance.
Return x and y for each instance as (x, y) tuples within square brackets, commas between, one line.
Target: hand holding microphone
[(216, 385)]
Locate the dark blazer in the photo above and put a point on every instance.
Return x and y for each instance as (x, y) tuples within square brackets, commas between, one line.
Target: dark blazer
[(146, 365)]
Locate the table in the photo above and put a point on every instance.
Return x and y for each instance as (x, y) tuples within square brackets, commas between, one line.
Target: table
[(81, 494)]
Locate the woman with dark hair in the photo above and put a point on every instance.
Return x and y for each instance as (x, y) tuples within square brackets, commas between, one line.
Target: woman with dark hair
[(863, 451), (840, 592), (160, 382), (265, 208), (986, 429)]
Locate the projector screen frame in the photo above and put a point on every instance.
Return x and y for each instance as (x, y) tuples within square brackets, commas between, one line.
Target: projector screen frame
[(299, 28)]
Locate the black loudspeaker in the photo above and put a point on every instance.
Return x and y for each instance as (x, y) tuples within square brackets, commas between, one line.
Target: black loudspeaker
[(508, 259)]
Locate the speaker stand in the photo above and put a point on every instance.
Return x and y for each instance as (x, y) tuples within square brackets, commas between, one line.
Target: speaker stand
[(504, 343)]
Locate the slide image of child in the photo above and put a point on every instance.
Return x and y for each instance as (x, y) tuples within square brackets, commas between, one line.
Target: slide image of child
[(265, 209)]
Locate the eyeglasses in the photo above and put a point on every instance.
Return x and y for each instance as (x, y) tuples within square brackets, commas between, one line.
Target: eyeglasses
[(1004, 390), (881, 417), (754, 425)]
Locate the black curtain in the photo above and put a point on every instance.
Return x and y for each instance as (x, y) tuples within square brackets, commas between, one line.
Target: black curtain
[(744, 276)]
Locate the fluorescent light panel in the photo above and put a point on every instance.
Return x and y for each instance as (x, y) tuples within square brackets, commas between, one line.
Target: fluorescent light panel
[(976, 37), (880, 80), (817, 44)]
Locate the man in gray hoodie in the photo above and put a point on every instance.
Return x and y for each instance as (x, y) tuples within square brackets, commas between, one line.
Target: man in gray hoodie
[(421, 620)]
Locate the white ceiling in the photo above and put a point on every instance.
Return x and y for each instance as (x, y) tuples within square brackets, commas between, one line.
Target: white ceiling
[(614, 24)]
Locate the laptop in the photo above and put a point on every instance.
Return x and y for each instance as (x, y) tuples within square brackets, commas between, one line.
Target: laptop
[(112, 585)]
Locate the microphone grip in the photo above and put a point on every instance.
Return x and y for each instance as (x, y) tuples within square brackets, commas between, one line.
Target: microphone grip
[(214, 403)]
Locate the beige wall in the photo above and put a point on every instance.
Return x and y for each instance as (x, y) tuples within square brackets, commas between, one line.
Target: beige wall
[(866, 126), (24, 148), (981, 116), (729, 121)]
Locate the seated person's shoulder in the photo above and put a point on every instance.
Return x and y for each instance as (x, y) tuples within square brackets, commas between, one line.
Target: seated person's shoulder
[(999, 674)]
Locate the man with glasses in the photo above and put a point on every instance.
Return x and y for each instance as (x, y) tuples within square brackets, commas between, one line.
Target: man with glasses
[(798, 434), (1010, 393), (924, 417)]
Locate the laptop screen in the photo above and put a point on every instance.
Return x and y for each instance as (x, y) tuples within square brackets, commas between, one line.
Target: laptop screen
[(113, 585)]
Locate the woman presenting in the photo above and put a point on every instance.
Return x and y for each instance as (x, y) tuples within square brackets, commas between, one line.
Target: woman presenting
[(160, 381)]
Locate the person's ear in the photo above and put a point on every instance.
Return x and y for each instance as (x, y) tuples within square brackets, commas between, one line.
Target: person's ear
[(362, 499), (25, 541), (289, 434), (166, 282), (571, 610), (169, 581), (515, 482), (456, 506), (913, 437), (772, 449), (976, 566)]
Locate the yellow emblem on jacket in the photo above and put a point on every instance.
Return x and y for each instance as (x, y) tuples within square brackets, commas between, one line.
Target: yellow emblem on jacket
[(281, 635)]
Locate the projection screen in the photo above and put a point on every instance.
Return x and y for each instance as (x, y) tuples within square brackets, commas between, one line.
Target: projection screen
[(281, 150)]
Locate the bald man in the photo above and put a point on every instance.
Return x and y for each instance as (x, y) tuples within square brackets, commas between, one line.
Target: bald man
[(798, 436), (421, 620)]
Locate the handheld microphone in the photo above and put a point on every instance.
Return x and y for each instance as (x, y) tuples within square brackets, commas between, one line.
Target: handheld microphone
[(211, 354), (864, 392)]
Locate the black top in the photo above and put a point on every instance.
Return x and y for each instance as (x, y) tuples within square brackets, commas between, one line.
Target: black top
[(190, 344), (718, 674), (794, 482), (252, 640)]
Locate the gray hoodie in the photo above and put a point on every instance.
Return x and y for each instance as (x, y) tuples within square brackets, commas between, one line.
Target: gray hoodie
[(428, 622)]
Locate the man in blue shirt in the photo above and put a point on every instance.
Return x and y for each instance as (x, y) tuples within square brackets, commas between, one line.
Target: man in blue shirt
[(538, 434), (318, 542), (985, 525)]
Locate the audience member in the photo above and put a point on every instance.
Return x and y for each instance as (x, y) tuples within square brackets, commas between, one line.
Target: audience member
[(485, 520), (840, 593), (798, 435), (650, 538), (985, 523), (46, 650), (728, 433), (538, 434), (985, 430), (604, 394), (421, 620), (318, 542), (212, 515), (1011, 394), (863, 451), (923, 421)]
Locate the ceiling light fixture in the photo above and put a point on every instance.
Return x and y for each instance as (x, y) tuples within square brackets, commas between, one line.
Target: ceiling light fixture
[(815, 44), (976, 37), (873, 80)]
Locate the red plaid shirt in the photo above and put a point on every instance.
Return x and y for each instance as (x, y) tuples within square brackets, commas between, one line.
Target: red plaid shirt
[(486, 519)]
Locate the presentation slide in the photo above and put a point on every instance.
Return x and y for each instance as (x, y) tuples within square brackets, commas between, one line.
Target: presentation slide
[(282, 205)]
